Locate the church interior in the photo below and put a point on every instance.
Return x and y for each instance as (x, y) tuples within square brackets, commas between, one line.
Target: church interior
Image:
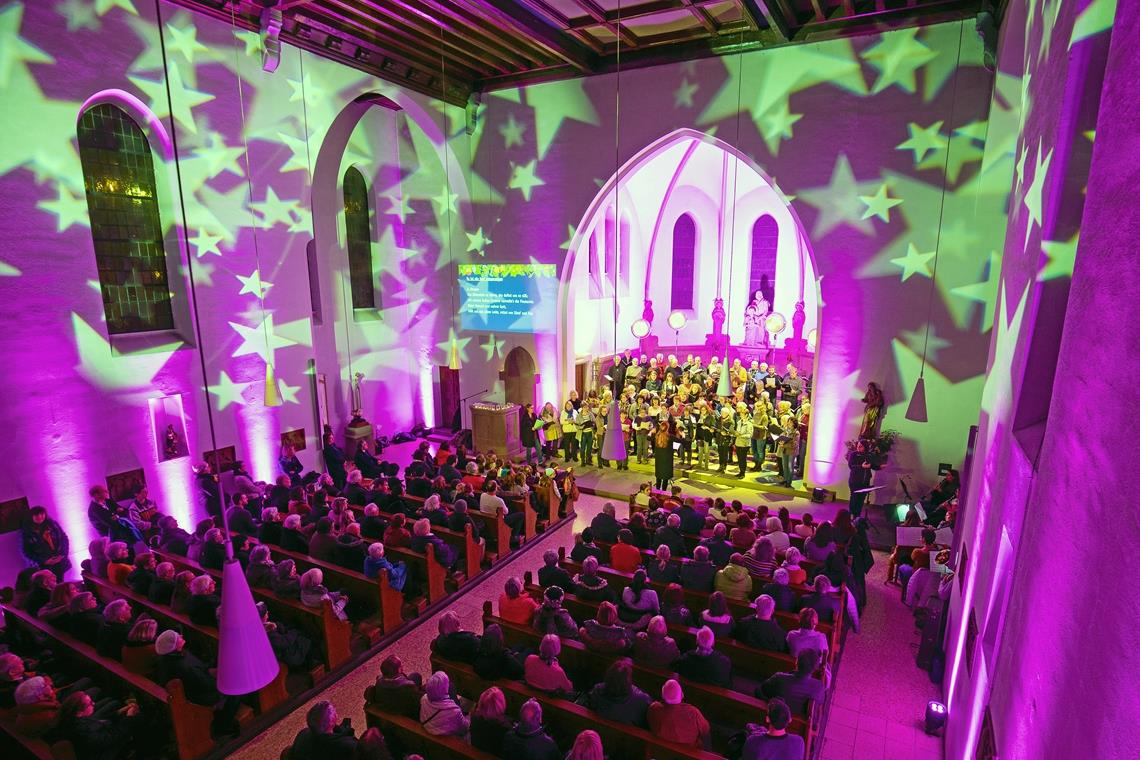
[(549, 379)]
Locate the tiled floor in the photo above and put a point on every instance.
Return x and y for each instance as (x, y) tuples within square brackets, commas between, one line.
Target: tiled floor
[(879, 695)]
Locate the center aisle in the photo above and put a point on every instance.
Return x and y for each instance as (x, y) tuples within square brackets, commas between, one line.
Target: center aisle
[(413, 647)]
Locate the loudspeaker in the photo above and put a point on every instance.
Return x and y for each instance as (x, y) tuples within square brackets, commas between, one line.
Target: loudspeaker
[(820, 495)]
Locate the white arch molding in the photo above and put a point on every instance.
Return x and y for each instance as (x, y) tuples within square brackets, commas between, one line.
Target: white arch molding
[(758, 193)]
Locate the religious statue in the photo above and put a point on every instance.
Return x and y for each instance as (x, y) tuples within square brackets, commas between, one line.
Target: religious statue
[(754, 316), (171, 444), (357, 398), (873, 411)]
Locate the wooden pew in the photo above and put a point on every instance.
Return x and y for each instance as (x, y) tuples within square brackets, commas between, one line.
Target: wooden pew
[(191, 723), (747, 661), (202, 639), (564, 720), (358, 586), (696, 600), (731, 708), (20, 747), (411, 738), (331, 634), (427, 567), (492, 528)]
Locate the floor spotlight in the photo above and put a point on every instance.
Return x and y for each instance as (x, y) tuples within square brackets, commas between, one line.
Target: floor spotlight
[(935, 718)]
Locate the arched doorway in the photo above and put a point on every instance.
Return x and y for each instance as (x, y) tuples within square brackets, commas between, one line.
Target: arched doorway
[(518, 377)]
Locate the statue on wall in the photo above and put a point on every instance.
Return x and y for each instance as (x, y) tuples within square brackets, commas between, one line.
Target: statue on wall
[(754, 315), (357, 398)]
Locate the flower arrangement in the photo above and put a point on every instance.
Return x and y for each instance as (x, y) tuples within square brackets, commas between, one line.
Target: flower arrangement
[(880, 446)]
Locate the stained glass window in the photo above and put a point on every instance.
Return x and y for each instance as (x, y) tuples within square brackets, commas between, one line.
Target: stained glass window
[(358, 228), (122, 201), (684, 263), (762, 273)]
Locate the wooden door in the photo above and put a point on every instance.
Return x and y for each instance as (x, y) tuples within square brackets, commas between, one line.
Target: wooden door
[(449, 398)]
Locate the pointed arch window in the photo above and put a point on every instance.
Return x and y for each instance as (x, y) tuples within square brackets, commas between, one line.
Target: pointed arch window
[(358, 239), (684, 263), (122, 203), (762, 272)]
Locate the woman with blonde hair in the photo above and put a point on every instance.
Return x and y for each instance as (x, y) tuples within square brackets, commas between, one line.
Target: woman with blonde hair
[(588, 746), (489, 722), (796, 574), (314, 593)]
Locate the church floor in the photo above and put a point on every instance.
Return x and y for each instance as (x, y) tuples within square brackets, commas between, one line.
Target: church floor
[(879, 693)]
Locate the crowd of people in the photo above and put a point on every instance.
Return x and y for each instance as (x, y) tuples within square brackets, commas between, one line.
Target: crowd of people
[(669, 412)]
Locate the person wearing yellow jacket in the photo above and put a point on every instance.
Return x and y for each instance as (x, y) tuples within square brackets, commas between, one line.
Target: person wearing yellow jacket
[(569, 424)]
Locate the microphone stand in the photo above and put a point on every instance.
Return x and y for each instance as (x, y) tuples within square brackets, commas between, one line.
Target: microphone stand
[(463, 406)]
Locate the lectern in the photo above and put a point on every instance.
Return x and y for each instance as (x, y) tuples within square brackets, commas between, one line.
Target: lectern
[(496, 426)]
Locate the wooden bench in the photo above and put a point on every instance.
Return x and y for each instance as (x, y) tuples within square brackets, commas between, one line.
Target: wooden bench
[(373, 593), (21, 747), (203, 639), (331, 634), (564, 720), (191, 723), (730, 709), (410, 737), (493, 528)]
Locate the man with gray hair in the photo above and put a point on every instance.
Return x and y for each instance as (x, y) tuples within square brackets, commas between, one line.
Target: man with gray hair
[(114, 630), (605, 525), (528, 739), (759, 629), (550, 574), (670, 535), (323, 737), (720, 550)]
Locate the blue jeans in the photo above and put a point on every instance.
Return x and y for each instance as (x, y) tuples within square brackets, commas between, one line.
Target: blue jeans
[(786, 467), (531, 451), (759, 447)]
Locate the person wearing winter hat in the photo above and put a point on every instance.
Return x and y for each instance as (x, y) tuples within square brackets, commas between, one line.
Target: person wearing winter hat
[(673, 719), (552, 618)]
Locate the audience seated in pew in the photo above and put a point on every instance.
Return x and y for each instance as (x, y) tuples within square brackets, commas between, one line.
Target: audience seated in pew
[(704, 664), (59, 603), (259, 571), (142, 576), (716, 616), (112, 634), (93, 736), (515, 606), (616, 698), (780, 591), (674, 610), (552, 618), (489, 722), (197, 679), (441, 715), (672, 719), (761, 558), (638, 603), (759, 629), (396, 691), (376, 561), (494, 660), (290, 646), (661, 569), (733, 580), (541, 671), (719, 548), (323, 737), (798, 688), (550, 574), (699, 573), (806, 636), (202, 608), (605, 526), (591, 586), (454, 643), (624, 556), (528, 738), (654, 647), (605, 633)]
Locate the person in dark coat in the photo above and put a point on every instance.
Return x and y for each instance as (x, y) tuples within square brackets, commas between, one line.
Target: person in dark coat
[(350, 549), (796, 689), (590, 586), (704, 664), (605, 525), (290, 464), (780, 592), (527, 435), (84, 618), (720, 549), (395, 691), (663, 455), (95, 737), (323, 738), (354, 489), (199, 684), (141, 578), (529, 739), (114, 630), (822, 599), (584, 546), (238, 517), (692, 521), (616, 698), (202, 608), (454, 643), (101, 511), (323, 544), (494, 661), (366, 462), (334, 461), (209, 493), (172, 538), (292, 648), (373, 525), (550, 574), (162, 587), (670, 535), (44, 543), (759, 629), (699, 572)]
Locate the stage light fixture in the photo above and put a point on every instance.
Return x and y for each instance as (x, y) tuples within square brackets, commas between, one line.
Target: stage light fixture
[(812, 338), (935, 717), (775, 323), (640, 328), (678, 320)]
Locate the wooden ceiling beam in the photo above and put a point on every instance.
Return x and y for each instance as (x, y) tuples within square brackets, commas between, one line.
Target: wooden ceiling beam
[(611, 20), (557, 41), (776, 14), (487, 32)]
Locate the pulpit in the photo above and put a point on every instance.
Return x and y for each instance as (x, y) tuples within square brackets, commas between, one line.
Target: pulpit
[(496, 427)]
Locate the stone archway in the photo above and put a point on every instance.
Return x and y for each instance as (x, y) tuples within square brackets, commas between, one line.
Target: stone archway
[(518, 376)]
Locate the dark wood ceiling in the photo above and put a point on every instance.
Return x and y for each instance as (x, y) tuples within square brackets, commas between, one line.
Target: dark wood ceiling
[(453, 48)]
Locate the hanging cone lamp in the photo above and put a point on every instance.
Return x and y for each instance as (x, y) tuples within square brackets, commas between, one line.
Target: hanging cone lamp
[(453, 355), (245, 658), (916, 411), (724, 385), (272, 396)]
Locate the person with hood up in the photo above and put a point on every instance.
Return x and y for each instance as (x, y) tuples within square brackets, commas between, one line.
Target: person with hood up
[(440, 715), (734, 581)]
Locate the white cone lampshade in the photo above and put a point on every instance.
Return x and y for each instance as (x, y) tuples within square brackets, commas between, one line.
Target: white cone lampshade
[(724, 386), (916, 411), (245, 658), (613, 445)]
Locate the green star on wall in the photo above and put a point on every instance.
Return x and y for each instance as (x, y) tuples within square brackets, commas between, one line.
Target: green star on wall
[(492, 347), (205, 243), (103, 7), (897, 56), (570, 231), (683, 95), (916, 340), (997, 393), (553, 104), (922, 140), (477, 242), (445, 202), (273, 210), (1032, 197), (838, 202), (260, 339), (251, 41), (219, 157), (253, 284), (7, 270), (879, 204), (13, 49), (100, 366), (914, 262), (303, 222), (776, 125), (524, 179), (182, 101), (184, 40), (288, 392), (1062, 257), (202, 274), (80, 14), (228, 392), (461, 344), (68, 209), (512, 132), (298, 160), (984, 292), (401, 207), (1097, 17)]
